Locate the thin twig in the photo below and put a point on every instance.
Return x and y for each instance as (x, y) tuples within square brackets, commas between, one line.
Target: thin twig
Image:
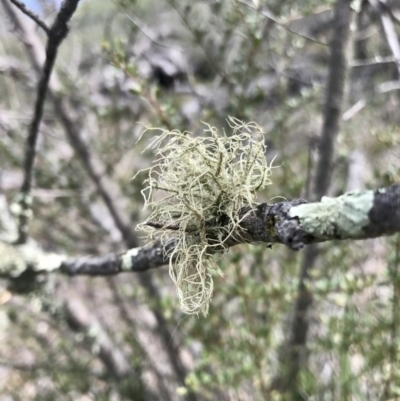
[(22, 7), (161, 225), (268, 14), (373, 61), (219, 70), (57, 34), (388, 86), (353, 110), (146, 31), (389, 30), (108, 190)]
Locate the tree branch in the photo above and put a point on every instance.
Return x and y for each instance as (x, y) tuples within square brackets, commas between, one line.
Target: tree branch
[(389, 30), (31, 15), (293, 351), (56, 35), (269, 15), (373, 61), (295, 223), (108, 190)]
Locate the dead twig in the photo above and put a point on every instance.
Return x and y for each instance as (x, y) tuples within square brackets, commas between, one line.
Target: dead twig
[(57, 33), (31, 15)]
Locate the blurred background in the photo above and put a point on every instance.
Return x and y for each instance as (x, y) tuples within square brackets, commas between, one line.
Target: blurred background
[(175, 64)]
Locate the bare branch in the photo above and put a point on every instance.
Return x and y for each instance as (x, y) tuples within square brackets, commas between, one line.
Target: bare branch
[(56, 35), (373, 61), (297, 339), (388, 86), (353, 110), (268, 14), (21, 6), (108, 190), (389, 29)]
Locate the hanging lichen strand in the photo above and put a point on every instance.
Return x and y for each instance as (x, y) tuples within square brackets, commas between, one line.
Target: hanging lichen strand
[(196, 189)]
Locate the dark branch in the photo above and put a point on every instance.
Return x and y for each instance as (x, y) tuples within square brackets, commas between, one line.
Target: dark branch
[(57, 34), (134, 260), (108, 190), (31, 14), (173, 227), (338, 68)]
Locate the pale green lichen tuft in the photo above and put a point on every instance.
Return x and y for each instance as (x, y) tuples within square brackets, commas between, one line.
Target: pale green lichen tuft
[(195, 189)]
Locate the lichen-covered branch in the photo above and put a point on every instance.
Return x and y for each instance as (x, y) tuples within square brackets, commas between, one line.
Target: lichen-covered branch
[(295, 223)]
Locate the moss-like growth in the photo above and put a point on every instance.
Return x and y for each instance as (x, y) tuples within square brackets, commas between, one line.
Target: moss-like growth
[(196, 188)]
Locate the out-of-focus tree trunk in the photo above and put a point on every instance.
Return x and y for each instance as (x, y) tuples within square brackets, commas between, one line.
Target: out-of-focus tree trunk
[(294, 354)]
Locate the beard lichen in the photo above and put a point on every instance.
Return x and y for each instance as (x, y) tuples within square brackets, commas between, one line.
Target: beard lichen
[(196, 188)]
